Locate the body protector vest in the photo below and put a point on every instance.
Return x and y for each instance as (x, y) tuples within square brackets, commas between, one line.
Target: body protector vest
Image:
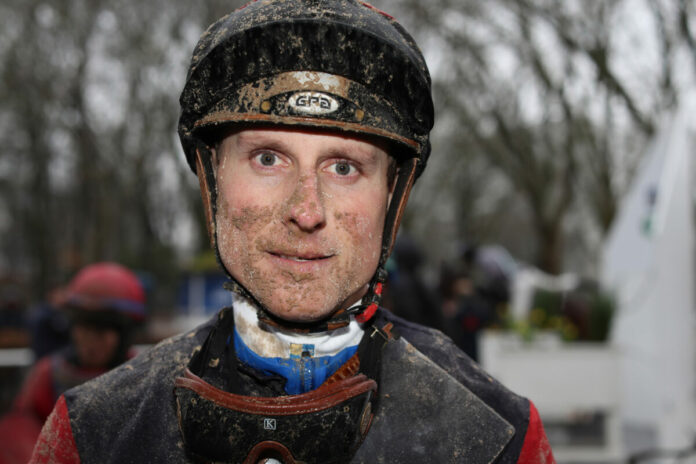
[(190, 400), (222, 418)]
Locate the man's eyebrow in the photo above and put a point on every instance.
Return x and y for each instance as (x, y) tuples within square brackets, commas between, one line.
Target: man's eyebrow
[(252, 141), (362, 155)]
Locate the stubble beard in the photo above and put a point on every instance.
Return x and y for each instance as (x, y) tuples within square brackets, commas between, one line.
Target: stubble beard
[(243, 240)]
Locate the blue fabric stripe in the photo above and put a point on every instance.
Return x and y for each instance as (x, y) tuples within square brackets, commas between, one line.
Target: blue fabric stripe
[(303, 373)]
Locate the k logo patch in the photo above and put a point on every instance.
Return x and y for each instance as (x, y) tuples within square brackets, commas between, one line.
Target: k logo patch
[(269, 424)]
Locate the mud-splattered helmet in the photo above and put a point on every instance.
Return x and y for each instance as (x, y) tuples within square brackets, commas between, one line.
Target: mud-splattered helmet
[(339, 65)]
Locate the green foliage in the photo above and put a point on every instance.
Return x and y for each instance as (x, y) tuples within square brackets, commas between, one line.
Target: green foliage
[(603, 306), (581, 315)]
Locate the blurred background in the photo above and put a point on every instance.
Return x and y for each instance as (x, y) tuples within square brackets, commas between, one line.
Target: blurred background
[(552, 235)]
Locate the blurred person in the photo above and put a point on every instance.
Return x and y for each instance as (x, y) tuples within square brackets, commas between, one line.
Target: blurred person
[(456, 287), (492, 270), (49, 325), (475, 287), (103, 303), (13, 317), (472, 314), (307, 122), (405, 292)]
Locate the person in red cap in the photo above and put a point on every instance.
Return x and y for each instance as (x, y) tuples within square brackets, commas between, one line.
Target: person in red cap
[(104, 302)]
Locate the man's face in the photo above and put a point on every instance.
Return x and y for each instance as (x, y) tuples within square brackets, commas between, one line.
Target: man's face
[(300, 217)]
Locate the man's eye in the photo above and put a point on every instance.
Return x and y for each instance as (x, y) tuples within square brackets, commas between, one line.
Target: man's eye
[(343, 168), (266, 158)]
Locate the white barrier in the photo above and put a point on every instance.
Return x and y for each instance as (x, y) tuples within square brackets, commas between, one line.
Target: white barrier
[(16, 357), (565, 381)]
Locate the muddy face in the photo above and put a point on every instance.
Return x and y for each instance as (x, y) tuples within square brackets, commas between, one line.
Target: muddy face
[(300, 217)]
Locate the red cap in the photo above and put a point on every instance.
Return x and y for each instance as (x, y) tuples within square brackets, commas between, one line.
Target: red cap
[(107, 286)]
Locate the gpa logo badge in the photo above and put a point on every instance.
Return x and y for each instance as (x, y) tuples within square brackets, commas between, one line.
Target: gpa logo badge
[(269, 424), (313, 103)]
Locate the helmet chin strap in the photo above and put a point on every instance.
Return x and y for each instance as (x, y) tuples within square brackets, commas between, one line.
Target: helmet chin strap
[(405, 178)]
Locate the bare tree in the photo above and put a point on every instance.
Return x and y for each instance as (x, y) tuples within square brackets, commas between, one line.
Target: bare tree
[(533, 90), (91, 167)]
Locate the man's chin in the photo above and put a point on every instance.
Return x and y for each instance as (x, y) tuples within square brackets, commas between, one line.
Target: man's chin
[(307, 314), (304, 304)]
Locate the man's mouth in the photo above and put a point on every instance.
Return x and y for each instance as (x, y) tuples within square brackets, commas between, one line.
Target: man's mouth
[(302, 258)]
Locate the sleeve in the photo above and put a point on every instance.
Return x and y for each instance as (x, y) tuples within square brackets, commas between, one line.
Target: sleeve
[(56, 444), (37, 395), (18, 434), (536, 448)]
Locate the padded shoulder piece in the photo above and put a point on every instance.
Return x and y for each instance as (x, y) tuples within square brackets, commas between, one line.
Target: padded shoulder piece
[(427, 416), (442, 351)]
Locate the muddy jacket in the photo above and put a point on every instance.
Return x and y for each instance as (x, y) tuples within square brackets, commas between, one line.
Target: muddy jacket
[(435, 405)]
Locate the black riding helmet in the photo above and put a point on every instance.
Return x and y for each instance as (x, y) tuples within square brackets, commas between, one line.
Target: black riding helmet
[(339, 65)]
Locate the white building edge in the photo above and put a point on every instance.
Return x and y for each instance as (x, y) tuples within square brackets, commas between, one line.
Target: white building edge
[(648, 262)]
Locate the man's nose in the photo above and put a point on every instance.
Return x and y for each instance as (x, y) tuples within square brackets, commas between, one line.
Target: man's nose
[(305, 206)]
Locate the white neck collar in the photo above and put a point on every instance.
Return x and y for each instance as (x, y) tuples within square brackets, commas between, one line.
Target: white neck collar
[(274, 342)]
